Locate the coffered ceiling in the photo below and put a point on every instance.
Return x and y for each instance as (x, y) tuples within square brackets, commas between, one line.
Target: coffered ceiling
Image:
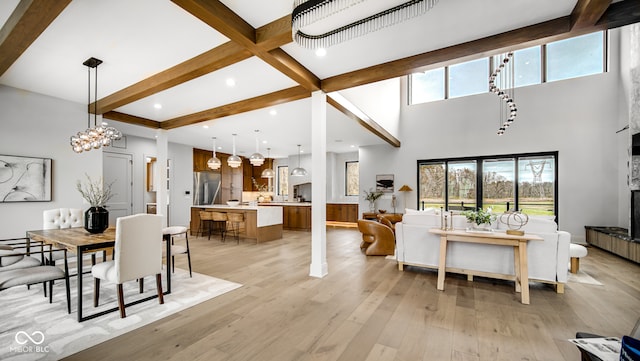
[(180, 55)]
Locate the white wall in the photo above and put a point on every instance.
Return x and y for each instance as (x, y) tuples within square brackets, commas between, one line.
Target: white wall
[(35, 125), (577, 117)]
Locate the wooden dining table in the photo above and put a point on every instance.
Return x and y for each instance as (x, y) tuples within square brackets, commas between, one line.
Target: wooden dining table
[(80, 242)]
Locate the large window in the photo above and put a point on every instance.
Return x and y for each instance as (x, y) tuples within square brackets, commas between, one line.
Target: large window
[(527, 182), (352, 178), (569, 58), (283, 180)]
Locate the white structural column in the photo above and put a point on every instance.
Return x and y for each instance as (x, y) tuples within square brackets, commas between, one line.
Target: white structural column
[(318, 266), (162, 148)]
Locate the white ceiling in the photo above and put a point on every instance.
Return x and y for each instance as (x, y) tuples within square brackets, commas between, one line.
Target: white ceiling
[(137, 39)]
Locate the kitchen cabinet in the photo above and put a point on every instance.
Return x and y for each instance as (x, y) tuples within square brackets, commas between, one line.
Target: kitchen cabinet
[(230, 178), (249, 171), (151, 165), (296, 217), (342, 212)]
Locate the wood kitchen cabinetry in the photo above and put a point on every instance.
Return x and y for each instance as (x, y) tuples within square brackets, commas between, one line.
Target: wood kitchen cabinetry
[(296, 217), (249, 171), (230, 178), (342, 212)]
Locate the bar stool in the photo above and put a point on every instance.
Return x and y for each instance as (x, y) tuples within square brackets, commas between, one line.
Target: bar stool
[(169, 233), (219, 220), (234, 219), (205, 218)]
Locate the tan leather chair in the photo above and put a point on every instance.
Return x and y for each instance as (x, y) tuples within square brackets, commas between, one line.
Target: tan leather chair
[(377, 239), (390, 220)]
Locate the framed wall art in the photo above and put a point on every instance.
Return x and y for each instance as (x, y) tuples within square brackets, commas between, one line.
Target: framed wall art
[(25, 179), (384, 183)]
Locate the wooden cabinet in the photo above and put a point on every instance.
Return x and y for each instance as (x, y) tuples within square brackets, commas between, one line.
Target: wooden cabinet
[(230, 178), (342, 212), (614, 240), (249, 171), (296, 217), (151, 165)]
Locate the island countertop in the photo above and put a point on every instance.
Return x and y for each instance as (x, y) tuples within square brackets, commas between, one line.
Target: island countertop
[(260, 223)]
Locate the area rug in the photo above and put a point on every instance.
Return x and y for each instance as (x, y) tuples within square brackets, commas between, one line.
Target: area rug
[(33, 329), (583, 277)]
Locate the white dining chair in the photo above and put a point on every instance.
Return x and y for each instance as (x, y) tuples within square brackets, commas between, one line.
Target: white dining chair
[(137, 253)]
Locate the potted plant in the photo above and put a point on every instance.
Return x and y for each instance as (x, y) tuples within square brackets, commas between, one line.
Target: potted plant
[(97, 194), (372, 197), (480, 219)]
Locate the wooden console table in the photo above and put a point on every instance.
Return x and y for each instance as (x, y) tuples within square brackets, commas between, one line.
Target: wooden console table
[(519, 244)]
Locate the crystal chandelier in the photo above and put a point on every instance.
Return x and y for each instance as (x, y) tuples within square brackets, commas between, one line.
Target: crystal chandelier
[(256, 159), (298, 171), (214, 162), (234, 161), (100, 135), (269, 172), (308, 12), (502, 84)]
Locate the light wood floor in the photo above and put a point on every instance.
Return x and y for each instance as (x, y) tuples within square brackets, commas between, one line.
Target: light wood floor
[(365, 309)]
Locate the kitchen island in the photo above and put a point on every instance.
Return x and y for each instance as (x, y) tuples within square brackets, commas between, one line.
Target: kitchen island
[(260, 223)]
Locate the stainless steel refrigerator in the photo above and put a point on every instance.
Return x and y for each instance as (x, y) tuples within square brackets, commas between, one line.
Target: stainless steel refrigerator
[(206, 188)]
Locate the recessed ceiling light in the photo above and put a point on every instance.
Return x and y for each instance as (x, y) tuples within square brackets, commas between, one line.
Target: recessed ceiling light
[(321, 52), (205, 126), (273, 112), (231, 82), (352, 146), (264, 142), (157, 106)]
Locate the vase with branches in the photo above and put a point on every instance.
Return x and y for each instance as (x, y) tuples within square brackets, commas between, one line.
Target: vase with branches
[(97, 194), (372, 196)]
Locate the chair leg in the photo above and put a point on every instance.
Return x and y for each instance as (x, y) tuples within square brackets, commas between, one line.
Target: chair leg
[(121, 301), (141, 284), (96, 291), (159, 288), (186, 240), (66, 283), (51, 291)]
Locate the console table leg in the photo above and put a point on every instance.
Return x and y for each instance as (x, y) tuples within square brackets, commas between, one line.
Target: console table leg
[(524, 272), (442, 262)]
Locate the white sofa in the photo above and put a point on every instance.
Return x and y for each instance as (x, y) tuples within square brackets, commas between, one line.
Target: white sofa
[(547, 260)]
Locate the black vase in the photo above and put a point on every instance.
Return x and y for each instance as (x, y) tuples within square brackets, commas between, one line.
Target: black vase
[(96, 219)]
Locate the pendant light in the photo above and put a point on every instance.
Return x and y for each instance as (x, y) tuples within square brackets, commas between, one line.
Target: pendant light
[(214, 162), (234, 161), (268, 173), (256, 159), (298, 172), (98, 136)]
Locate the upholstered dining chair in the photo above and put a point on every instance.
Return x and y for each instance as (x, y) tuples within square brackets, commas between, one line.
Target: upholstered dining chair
[(60, 218), (180, 232), (22, 269), (137, 253)]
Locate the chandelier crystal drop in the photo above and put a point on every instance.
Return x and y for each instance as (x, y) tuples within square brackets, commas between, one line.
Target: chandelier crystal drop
[(502, 84), (214, 162), (256, 159), (299, 171), (234, 161), (310, 12), (100, 135)]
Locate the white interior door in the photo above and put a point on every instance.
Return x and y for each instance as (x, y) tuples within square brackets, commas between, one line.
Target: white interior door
[(117, 169)]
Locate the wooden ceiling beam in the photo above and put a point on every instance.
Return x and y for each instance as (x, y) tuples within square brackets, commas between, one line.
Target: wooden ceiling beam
[(477, 48), (366, 122), (586, 13), (29, 19), (229, 24), (131, 119), (620, 14), (242, 106), (217, 58)]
